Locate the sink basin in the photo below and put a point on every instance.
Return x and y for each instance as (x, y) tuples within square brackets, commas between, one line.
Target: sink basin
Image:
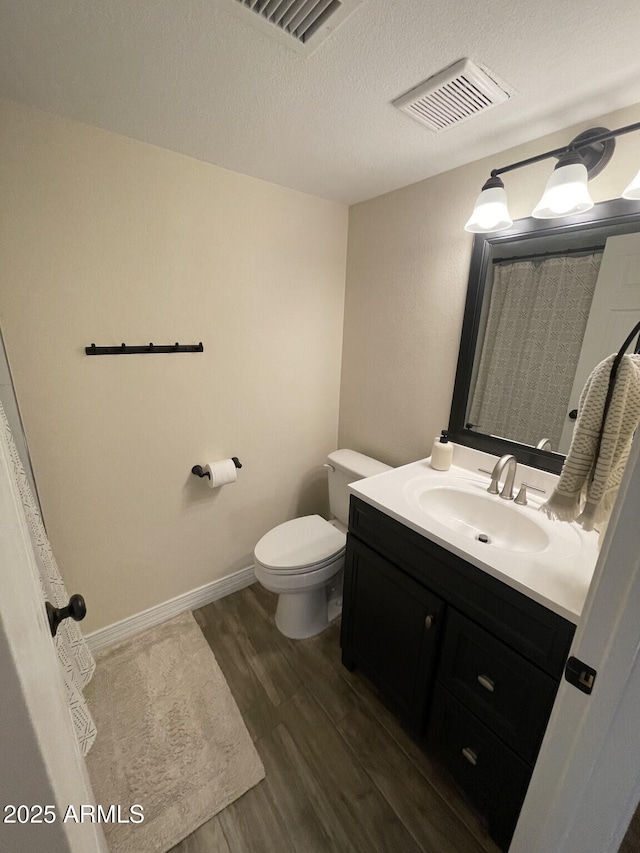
[(485, 518), (548, 560)]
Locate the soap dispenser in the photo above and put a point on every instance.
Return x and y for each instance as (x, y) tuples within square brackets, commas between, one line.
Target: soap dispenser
[(442, 453)]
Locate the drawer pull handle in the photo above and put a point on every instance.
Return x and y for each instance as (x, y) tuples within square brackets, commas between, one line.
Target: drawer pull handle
[(487, 683), (428, 622), (470, 755)]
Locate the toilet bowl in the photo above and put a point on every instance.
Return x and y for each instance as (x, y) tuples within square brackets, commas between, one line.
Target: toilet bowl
[(302, 560), (299, 560)]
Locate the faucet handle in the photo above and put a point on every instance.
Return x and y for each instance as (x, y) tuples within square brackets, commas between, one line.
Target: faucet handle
[(493, 488), (521, 498)]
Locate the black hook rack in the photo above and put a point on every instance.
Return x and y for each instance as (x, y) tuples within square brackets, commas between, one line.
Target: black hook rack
[(123, 349), (199, 471)]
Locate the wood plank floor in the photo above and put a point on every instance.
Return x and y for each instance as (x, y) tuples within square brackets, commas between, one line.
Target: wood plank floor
[(342, 776)]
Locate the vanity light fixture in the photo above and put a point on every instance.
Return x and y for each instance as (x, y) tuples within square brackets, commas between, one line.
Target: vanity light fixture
[(566, 192)]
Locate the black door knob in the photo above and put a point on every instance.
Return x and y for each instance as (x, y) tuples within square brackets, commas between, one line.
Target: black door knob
[(573, 414), (76, 609)]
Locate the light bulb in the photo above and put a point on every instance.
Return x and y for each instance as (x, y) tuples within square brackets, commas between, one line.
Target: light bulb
[(566, 193), (490, 212), (632, 191)]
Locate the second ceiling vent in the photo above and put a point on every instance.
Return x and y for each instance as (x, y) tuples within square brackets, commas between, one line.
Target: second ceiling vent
[(452, 96), (299, 24)]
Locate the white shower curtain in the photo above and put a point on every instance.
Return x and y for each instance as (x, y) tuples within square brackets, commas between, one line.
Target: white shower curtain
[(537, 317), (76, 661)]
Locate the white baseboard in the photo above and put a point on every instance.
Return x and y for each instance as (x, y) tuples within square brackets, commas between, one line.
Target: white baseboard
[(168, 609)]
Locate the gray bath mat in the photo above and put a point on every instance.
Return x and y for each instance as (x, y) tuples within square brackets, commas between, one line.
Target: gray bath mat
[(170, 737)]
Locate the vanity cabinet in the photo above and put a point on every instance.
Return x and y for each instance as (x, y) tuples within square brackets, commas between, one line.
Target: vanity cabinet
[(471, 665)]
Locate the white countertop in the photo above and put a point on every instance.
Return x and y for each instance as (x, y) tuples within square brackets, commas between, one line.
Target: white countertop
[(557, 576)]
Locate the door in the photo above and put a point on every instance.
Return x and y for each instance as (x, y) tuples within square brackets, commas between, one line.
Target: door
[(615, 310), (586, 782), (42, 765), (11, 410)]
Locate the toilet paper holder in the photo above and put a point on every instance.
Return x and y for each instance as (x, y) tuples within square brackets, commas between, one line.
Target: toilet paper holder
[(199, 471)]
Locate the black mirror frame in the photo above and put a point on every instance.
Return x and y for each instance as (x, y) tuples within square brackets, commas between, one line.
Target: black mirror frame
[(615, 212)]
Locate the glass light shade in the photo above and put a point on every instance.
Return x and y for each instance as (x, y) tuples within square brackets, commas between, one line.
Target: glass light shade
[(490, 213), (633, 190), (566, 193)]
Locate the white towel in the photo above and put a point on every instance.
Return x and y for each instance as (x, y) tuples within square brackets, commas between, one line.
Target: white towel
[(588, 486)]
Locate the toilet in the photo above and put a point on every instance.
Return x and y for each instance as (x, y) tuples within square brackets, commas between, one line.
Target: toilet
[(301, 560)]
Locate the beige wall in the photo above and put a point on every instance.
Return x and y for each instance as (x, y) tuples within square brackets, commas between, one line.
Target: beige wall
[(104, 239), (407, 268)]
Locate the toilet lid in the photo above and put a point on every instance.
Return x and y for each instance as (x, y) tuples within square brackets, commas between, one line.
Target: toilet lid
[(299, 543)]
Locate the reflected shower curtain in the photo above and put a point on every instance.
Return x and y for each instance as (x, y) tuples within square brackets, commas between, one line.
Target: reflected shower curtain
[(537, 317), (76, 661)]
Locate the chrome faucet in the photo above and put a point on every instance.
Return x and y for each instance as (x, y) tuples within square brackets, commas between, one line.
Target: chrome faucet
[(543, 444), (510, 463)]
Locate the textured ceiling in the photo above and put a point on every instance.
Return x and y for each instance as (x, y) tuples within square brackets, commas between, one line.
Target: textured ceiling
[(198, 78)]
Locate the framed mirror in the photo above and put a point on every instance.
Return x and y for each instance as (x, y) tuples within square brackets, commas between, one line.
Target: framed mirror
[(547, 300)]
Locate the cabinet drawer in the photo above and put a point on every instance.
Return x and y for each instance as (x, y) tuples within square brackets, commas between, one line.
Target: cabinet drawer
[(494, 778), (510, 695)]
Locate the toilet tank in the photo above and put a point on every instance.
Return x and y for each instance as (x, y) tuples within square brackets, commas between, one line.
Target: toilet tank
[(347, 466)]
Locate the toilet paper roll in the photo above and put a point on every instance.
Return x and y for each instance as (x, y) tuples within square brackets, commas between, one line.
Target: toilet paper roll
[(221, 473)]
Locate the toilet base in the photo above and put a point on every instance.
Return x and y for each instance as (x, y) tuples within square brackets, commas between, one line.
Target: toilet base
[(302, 614), (334, 609), (334, 596)]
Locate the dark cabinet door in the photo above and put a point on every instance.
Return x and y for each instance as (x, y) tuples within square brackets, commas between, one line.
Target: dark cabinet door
[(390, 629)]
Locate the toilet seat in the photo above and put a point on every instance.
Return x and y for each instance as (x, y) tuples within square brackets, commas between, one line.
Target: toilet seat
[(300, 545)]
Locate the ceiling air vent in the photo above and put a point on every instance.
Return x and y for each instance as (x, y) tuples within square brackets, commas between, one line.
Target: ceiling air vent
[(299, 24), (452, 96)]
